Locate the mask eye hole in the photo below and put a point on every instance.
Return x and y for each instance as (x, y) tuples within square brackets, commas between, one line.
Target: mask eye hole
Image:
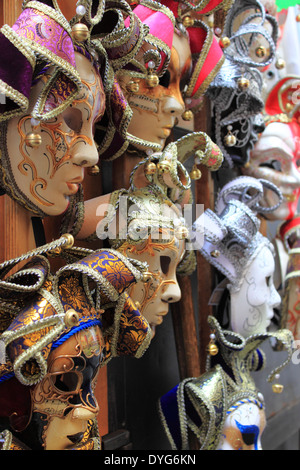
[(273, 164), (73, 119), (66, 382), (268, 281), (165, 79), (165, 264)]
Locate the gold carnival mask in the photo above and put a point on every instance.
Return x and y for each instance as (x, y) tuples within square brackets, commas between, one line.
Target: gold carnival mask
[(154, 296), (63, 403), (156, 109), (49, 174)]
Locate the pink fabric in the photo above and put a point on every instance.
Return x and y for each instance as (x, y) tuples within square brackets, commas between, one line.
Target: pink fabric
[(160, 25), (40, 28)]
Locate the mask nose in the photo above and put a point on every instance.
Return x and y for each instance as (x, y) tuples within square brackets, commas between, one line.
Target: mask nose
[(171, 292), (275, 299), (172, 106), (85, 153), (83, 413)]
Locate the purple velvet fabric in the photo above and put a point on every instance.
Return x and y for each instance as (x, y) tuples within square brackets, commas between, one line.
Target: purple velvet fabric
[(15, 69)]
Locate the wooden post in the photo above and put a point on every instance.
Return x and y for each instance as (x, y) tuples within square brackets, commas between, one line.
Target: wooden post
[(16, 235), (205, 196), (185, 331), (11, 9)]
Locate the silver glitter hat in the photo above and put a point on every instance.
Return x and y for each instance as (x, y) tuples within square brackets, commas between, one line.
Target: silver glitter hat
[(229, 238)]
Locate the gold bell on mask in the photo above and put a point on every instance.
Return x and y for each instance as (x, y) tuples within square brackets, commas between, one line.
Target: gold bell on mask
[(212, 348), (229, 139), (152, 79), (277, 388), (71, 318), (187, 21), (224, 42), (93, 170), (280, 64), (195, 173), (187, 115), (260, 51), (146, 277), (80, 32), (33, 139), (243, 83), (150, 168), (164, 166)]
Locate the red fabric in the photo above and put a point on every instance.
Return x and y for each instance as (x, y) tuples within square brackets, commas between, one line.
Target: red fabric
[(211, 5), (212, 58)]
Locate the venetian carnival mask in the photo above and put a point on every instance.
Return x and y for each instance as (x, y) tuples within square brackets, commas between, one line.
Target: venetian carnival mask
[(49, 174), (153, 240), (162, 288), (252, 306), (56, 337), (64, 399), (54, 97), (243, 427), (223, 407), (275, 158), (233, 244), (156, 109)]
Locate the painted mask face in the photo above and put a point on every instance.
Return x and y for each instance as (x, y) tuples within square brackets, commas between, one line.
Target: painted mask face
[(47, 175), (243, 428), (155, 110), (63, 403), (153, 298), (252, 306), (276, 157)]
